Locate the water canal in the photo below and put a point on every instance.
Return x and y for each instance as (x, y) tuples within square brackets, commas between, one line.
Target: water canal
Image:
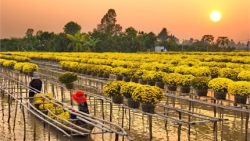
[(230, 123)]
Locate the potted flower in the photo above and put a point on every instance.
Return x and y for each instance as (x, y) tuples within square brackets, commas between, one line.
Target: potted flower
[(240, 90), (148, 96), (202, 72), (68, 78), (19, 67), (244, 75), (9, 64), (29, 68), (112, 89), (157, 77), (106, 71), (171, 79), (185, 82), (126, 90), (131, 74), (118, 72), (214, 71), (200, 84), (228, 73), (138, 74), (148, 76), (219, 86)]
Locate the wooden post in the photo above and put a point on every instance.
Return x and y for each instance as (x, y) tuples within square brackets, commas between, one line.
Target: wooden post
[(2, 103), (179, 128), (21, 95), (102, 109), (24, 123), (15, 116), (48, 132), (110, 118), (53, 89), (34, 133), (129, 121), (215, 131), (189, 108), (8, 108), (214, 100), (150, 127), (122, 117), (246, 126), (222, 122), (166, 110), (116, 137), (71, 101), (94, 106), (62, 94)]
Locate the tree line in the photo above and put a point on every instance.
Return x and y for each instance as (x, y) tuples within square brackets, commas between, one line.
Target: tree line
[(108, 36)]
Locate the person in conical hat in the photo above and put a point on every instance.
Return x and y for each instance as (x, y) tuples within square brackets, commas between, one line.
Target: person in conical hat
[(81, 99), (35, 86)]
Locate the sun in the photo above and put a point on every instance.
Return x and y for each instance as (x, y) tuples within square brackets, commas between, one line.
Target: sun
[(215, 16)]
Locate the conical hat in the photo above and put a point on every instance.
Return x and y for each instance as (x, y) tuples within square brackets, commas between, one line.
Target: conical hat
[(35, 76), (79, 96)]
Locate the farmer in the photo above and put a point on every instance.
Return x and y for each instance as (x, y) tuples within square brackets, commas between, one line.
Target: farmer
[(35, 86), (81, 99)]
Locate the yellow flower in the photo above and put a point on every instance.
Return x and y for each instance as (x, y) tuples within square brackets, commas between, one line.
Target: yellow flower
[(239, 88), (219, 84), (128, 88), (112, 88), (148, 94)]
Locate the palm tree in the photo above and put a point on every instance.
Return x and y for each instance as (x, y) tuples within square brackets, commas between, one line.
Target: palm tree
[(208, 39), (90, 42), (77, 41), (222, 42)]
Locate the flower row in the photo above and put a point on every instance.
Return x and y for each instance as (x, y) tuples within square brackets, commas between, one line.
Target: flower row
[(138, 92)]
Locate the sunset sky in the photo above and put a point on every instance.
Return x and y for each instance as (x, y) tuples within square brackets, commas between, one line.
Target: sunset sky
[(183, 18)]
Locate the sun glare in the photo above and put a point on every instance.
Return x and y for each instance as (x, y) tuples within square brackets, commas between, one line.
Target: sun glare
[(215, 16)]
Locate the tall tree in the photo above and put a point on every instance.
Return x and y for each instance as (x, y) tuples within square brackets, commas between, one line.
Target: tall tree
[(208, 39), (222, 42), (129, 39), (108, 23), (29, 32), (163, 35), (72, 28)]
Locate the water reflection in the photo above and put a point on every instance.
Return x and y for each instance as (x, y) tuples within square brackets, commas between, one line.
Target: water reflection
[(135, 123)]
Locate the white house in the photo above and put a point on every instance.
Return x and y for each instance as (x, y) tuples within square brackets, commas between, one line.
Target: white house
[(160, 49)]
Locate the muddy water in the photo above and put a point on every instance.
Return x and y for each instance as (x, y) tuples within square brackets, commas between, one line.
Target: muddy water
[(135, 123)]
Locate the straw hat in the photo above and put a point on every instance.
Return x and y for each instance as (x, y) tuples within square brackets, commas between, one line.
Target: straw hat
[(79, 96), (35, 76)]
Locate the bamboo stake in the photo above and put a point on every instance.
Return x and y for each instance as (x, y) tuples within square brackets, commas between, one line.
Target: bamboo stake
[(62, 94), (222, 122), (94, 107), (53, 91), (179, 128), (246, 127), (122, 117), (102, 109), (24, 123), (71, 101), (9, 108), (15, 116), (110, 117), (34, 132), (150, 126), (48, 132), (2, 99), (129, 123)]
